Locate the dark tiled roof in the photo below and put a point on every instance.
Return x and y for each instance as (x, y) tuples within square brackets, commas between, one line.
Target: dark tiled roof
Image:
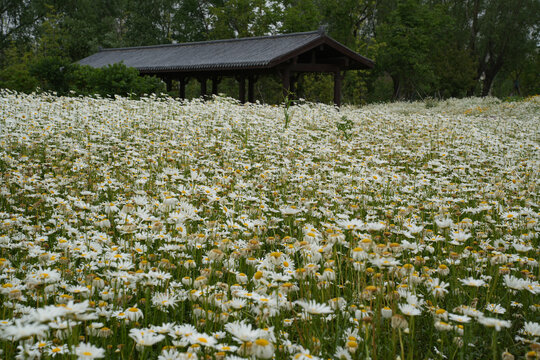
[(244, 53)]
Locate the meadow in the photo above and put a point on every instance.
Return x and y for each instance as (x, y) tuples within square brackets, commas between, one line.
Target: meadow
[(161, 229)]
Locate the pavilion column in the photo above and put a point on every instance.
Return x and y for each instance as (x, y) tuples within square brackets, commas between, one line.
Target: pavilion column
[(215, 82), (294, 87), (182, 88), (168, 83), (202, 80), (286, 82), (242, 89), (337, 88), (251, 89), (299, 88)]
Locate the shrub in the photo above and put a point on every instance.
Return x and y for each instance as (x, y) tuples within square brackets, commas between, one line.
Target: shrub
[(15, 74), (61, 76), (17, 77), (116, 79), (53, 73)]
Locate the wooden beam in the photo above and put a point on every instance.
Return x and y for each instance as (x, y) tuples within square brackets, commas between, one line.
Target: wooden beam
[(340, 60), (329, 68)]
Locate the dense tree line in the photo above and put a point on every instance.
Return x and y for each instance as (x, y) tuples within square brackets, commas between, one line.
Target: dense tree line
[(422, 48)]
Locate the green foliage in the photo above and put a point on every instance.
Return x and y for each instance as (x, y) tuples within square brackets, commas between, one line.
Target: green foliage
[(287, 102), (500, 35), (242, 18), (407, 39), (530, 75), (53, 73), (300, 15), (319, 88), (190, 21), (16, 75), (345, 127), (116, 79)]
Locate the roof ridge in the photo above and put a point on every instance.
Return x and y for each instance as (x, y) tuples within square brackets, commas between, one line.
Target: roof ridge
[(215, 41)]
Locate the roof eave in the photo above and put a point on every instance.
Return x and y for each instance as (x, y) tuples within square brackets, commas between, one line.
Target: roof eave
[(324, 39)]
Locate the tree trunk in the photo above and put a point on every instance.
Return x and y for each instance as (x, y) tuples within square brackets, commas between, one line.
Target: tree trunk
[(488, 80), (397, 87)]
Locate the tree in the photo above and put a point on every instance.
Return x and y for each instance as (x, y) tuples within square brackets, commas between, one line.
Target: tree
[(243, 18), (18, 20), (300, 15), (407, 43), (500, 33), (347, 19), (149, 22), (192, 21)]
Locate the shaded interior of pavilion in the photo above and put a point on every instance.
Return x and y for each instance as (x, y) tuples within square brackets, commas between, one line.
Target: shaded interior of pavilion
[(263, 88)]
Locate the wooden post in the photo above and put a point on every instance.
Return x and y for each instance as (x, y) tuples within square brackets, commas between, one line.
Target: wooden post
[(337, 88), (299, 86), (168, 83), (251, 89), (293, 83), (242, 89), (182, 88), (203, 86), (286, 82), (215, 82)]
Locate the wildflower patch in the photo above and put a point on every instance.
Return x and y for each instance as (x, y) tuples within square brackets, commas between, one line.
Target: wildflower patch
[(161, 229)]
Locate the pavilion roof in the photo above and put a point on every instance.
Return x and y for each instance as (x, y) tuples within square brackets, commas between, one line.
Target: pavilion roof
[(261, 52)]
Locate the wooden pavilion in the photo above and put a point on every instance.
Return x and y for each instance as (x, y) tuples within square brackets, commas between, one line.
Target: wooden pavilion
[(245, 59)]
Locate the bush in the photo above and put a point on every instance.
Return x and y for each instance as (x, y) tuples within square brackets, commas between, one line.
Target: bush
[(60, 75), (116, 79), (53, 73), (15, 74), (17, 77)]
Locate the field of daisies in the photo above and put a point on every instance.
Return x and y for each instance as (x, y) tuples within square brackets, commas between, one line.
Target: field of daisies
[(161, 229)]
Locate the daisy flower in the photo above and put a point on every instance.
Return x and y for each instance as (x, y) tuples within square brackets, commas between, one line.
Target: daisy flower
[(314, 308), (495, 323), (472, 282), (86, 351), (409, 309)]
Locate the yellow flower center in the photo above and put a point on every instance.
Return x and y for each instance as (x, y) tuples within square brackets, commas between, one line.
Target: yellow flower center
[(262, 342)]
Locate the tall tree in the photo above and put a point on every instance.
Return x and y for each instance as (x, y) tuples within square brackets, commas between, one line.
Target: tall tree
[(499, 33), (88, 25), (18, 20), (346, 19), (407, 37), (300, 15), (192, 20), (149, 22), (242, 18)]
